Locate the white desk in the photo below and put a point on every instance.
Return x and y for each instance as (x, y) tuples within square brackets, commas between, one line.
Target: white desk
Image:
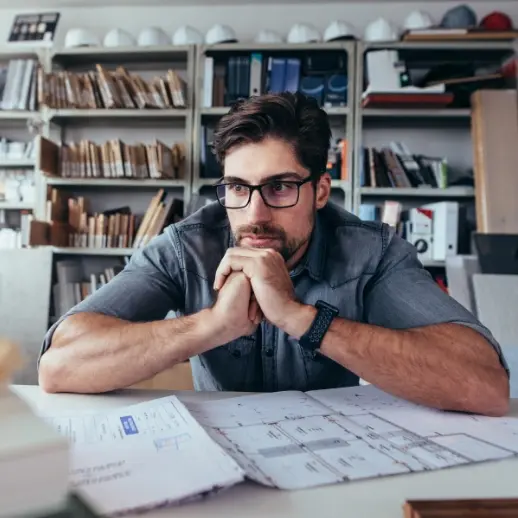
[(380, 498)]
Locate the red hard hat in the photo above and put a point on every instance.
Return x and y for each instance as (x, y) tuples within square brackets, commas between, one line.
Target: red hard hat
[(496, 21)]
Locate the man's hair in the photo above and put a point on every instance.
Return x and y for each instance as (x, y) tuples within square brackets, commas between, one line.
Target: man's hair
[(291, 117)]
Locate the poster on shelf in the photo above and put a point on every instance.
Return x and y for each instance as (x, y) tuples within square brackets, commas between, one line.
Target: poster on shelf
[(35, 29)]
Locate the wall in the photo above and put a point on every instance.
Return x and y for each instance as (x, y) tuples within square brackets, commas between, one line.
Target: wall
[(247, 19)]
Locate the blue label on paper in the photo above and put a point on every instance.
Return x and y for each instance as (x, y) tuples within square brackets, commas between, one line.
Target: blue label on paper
[(130, 428)]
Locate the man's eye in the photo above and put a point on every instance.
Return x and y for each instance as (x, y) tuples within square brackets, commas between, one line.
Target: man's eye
[(237, 188), (282, 186)]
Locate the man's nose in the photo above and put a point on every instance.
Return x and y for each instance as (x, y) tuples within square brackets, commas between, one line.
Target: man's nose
[(258, 211)]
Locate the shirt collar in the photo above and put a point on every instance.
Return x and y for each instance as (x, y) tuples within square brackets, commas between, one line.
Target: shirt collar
[(314, 258)]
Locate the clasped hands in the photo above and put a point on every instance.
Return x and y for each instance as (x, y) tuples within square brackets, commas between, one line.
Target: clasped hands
[(252, 285)]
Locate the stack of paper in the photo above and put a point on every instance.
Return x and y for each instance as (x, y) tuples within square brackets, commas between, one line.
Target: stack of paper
[(34, 461), (143, 456)]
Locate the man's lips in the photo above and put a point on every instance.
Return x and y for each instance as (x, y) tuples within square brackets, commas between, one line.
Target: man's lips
[(254, 238)]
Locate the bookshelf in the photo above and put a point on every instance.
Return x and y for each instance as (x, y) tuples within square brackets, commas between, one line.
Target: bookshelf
[(207, 113), (443, 132), (361, 126)]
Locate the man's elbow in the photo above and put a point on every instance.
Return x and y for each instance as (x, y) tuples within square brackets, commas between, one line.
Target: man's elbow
[(495, 394), (49, 372)]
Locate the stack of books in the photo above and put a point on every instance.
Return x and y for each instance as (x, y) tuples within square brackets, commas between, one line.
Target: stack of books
[(108, 89), (113, 159), (72, 224), (18, 85)]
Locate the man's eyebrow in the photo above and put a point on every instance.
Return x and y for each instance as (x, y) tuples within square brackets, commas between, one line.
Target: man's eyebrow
[(279, 176)]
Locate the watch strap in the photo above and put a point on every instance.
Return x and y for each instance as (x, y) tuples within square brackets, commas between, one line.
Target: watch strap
[(313, 337)]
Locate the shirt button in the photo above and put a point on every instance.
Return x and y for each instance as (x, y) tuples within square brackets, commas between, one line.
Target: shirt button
[(269, 353), (236, 354)]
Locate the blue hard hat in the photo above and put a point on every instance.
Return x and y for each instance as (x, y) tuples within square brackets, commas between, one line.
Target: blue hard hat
[(460, 17)]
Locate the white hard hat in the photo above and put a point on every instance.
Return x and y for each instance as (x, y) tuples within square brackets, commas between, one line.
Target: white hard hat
[(153, 36), (220, 34), (187, 35), (418, 20), (303, 33), (339, 30), (81, 38), (380, 30), (119, 38), (268, 36)]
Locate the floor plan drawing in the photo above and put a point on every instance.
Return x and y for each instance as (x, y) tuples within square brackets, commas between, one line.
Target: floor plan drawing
[(293, 440)]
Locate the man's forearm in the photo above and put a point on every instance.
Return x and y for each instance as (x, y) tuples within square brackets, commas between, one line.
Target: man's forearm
[(97, 353), (445, 366)]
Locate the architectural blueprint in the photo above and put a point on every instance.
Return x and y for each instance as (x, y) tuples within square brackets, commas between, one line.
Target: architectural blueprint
[(293, 440)]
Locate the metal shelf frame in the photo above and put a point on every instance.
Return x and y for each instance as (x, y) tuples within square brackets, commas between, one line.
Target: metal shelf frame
[(351, 118)]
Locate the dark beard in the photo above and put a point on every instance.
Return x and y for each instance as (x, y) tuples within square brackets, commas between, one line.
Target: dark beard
[(288, 247)]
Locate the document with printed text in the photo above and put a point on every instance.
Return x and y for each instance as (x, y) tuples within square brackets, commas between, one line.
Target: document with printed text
[(143, 456), (293, 440), (163, 452)]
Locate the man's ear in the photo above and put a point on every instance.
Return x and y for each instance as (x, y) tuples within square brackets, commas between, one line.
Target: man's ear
[(323, 190)]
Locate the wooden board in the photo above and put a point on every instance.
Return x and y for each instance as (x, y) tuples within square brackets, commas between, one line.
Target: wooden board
[(472, 35), (494, 127), (479, 508)]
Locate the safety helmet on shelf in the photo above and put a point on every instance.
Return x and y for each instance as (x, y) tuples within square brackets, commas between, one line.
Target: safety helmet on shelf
[(303, 33), (380, 30), (460, 17), (153, 36), (496, 21), (187, 35), (118, 38), (268, 36), (418, 20), (79, 37), (220, 33), (339, 30)]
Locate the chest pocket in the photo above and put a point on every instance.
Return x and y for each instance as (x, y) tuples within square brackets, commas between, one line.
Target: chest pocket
[(233, 364)]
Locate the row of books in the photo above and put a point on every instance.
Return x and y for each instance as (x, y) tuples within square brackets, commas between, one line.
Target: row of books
[(18, 84), (73, 224), (113, 159), (337, 160), (323, 77), (73, 286), (103, 88), (396, 166)]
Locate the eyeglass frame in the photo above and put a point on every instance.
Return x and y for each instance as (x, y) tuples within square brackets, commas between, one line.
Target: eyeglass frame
[(251, 188)]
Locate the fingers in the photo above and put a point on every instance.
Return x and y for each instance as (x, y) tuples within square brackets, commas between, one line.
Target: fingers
[(259, 317), (255, 314), (223, 271), (253, 309), (232, 264)]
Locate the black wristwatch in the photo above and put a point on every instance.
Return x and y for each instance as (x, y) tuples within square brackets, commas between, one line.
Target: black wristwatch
[(313, 337)]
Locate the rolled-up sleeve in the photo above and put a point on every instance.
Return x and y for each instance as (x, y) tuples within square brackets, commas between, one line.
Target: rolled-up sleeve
[(149, 286), (403, 295)]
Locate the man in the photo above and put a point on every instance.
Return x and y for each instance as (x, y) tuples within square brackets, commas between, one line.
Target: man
[(276, 289)]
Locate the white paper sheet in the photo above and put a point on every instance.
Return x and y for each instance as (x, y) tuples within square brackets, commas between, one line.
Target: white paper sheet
[(293, 440), (143, 456)]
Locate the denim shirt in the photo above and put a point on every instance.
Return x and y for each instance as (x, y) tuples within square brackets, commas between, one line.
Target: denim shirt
[(362, 268)]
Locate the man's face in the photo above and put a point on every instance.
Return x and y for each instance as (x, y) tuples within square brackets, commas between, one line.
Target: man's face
[(286, 230)]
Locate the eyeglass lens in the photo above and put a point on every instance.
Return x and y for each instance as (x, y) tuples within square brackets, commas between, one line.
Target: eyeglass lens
[(275, 194)]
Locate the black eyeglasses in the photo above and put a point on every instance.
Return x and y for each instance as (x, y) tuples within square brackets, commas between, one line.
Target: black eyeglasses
[(278, 194)]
